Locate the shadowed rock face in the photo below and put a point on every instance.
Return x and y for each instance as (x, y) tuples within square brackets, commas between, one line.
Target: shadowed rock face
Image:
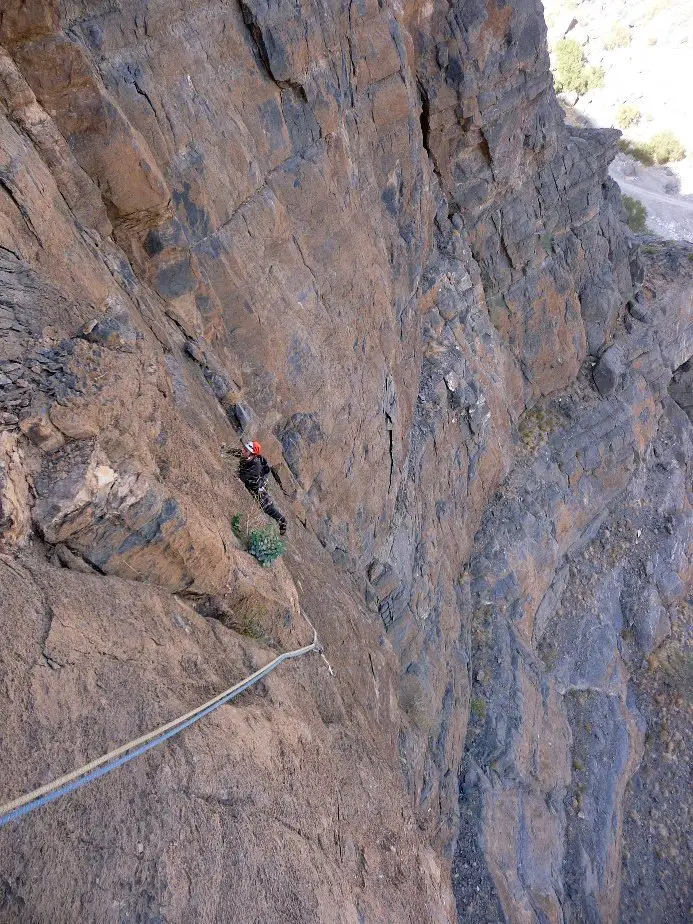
[(362, 234)]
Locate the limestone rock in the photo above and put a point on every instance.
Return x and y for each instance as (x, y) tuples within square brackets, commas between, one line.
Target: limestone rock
[(15, 518)]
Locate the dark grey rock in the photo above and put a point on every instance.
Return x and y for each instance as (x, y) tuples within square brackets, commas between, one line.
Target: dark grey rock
[(114, 330), (608, 371)]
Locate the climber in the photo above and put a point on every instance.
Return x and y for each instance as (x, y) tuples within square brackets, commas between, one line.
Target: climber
[(253, 471)]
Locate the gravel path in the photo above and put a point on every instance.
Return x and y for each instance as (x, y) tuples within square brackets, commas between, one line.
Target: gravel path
[(669, 216)]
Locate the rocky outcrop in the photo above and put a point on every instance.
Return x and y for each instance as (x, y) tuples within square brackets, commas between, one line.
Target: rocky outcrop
[(364, 235), (574, 571)]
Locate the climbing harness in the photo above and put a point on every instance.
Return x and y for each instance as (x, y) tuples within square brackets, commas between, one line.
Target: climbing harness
[(11, 811)]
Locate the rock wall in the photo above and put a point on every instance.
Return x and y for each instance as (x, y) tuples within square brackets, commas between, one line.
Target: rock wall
[(363, 234), (577, 573)]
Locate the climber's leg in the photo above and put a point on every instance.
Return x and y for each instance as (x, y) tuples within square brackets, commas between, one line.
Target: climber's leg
[(270, 508)]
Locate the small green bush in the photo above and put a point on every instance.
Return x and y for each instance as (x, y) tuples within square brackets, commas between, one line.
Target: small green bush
[(665, 147), (263, 542), (546, 240), (660, 149), (477, 707), (594, 77), (236, 527), (619, 37), (571, 73), (637, 150), (627, 115), (637, 214), (266, 544)]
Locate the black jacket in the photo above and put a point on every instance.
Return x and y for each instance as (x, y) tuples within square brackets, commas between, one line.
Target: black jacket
[(253, 472)]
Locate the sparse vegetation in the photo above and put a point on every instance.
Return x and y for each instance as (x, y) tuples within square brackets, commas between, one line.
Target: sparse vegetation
[(245, 615), (665, 147), (578, 802), (415, 703), (572, 74), (263, 542), (548, 652), (675, 665), (627, 115), (482, 625), (477, 707), (536, 425), (637, 150), (619, 37), (637, 214), (662, 148), (246, 619), (236, 526), (546, 239)]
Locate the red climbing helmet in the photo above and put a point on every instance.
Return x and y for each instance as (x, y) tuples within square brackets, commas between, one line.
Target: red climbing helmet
[(255, 448)]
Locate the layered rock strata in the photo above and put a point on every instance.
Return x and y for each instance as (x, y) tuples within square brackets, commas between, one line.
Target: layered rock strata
[(364, 235)]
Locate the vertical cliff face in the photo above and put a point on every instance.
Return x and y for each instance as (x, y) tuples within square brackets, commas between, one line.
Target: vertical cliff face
[(363, 234)]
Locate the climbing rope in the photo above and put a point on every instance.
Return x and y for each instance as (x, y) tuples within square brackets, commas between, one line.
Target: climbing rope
[(126, 752)]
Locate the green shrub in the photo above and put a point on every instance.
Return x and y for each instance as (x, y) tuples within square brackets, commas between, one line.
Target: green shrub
[(263, 542), (546, 240), (619, 37), (665, 147), (660, 149), (637, 150), (637, 214), (594, 77), (477, 707), (236, 527), (627, 115), (571, 73), (266, 544)]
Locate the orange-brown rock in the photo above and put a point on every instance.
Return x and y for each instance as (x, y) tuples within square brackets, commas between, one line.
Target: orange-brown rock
[(363, 235)]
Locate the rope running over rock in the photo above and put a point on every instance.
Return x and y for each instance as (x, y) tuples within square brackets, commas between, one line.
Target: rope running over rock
[(15, 809)]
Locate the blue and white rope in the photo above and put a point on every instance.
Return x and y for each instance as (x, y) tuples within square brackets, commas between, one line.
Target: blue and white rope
[(21, 806)]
